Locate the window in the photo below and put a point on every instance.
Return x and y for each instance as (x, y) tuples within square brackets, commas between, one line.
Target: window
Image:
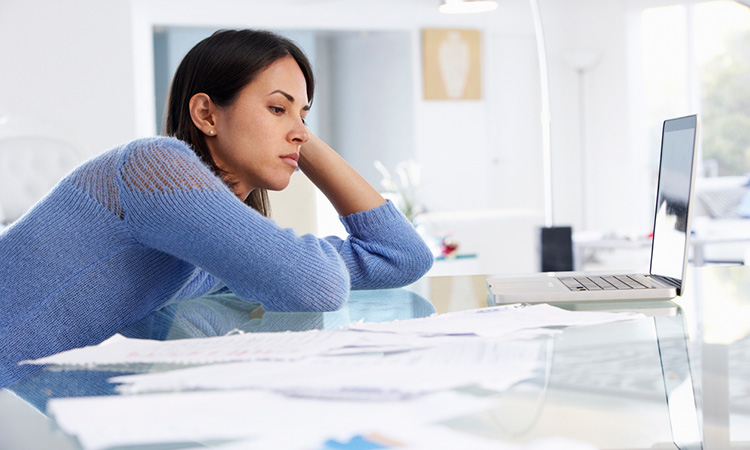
[(722, 35), (696, 57)]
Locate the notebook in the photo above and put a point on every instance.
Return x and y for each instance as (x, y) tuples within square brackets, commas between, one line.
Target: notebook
[(669, 246)]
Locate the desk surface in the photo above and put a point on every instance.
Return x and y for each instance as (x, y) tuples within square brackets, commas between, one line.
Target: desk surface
[(601, 384)]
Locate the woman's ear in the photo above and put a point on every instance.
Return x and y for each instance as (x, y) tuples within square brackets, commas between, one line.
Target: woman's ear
[(203, 113)]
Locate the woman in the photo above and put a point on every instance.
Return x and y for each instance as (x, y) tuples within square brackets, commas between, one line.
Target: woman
[(166, 219)]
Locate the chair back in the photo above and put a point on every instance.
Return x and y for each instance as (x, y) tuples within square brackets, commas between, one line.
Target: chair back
[(29, 167)]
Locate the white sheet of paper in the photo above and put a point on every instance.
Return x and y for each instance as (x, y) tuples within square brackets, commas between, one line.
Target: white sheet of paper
[(465, 361), (289, 346), (285, 346), (110, 421), (496, 321)]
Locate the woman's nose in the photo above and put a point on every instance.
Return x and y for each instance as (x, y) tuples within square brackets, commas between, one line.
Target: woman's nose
[(300, 134)]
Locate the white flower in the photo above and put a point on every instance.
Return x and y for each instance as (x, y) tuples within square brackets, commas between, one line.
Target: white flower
[(404, 188)]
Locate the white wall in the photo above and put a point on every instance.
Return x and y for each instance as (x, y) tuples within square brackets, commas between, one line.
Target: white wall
[(593, 165), (68, 67), (86, 65), (602, 174)]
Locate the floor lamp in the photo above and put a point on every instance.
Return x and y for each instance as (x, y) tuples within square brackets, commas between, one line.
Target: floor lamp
[(556, 241)]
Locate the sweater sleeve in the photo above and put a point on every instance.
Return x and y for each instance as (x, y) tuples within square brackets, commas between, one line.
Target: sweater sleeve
[(383, 249), (173, 203)]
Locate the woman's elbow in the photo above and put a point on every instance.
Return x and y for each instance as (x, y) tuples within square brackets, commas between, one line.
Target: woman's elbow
[(401, 269), (418, 263), (330, 295), (328, 291)]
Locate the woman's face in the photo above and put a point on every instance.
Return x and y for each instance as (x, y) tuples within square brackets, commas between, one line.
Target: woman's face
[(257, 139)]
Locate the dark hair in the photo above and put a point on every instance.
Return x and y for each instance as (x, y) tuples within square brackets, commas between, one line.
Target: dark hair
[(220, 66)]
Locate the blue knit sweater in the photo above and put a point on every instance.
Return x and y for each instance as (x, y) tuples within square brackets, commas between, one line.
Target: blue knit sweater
[(147, 224)]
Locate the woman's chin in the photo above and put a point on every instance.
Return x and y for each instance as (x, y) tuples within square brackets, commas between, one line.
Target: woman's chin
[(280, 185)]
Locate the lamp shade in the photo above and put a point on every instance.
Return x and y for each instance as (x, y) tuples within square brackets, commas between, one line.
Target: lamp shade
[(467, 6)]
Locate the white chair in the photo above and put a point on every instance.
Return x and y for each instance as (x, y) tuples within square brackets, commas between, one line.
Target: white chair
[(29, 167)]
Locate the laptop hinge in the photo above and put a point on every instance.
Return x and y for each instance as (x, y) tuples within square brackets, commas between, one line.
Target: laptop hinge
[(676, 282)]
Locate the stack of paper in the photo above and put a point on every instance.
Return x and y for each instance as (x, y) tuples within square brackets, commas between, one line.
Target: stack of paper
[(390, 377), (262, 421), (289, 346), (492, 363), (210, 417)]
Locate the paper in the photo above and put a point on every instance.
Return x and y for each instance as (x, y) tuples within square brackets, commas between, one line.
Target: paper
[(433, 437), (496, 321), (290, 346), (492, 347), (464, 362), (286, 346), (201, 417), (423, 437)]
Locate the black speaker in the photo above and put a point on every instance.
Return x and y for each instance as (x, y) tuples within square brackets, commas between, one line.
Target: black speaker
[(557, 249)]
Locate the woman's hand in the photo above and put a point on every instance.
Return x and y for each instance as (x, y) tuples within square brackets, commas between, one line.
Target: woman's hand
[(345, 188)]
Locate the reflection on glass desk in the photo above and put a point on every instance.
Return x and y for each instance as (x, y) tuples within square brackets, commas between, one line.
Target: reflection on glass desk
[(618, 385)]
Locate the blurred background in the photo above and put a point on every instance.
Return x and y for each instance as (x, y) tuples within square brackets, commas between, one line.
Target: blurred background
[(91, 75)]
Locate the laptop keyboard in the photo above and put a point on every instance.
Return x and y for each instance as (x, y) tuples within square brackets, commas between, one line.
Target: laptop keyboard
[(605, 283)]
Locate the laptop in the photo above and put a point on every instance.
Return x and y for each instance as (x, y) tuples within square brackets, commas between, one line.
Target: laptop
[(669, 246)]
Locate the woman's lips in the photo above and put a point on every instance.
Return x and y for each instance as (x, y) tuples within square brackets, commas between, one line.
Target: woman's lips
[(291, 159)]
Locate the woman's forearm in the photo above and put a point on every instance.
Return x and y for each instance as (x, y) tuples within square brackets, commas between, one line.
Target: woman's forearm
[(347, 190)]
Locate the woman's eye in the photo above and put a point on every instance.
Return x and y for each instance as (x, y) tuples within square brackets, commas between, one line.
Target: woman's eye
[(276, 109)]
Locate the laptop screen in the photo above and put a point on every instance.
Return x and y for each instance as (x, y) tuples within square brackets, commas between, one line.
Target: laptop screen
[(668, 251)]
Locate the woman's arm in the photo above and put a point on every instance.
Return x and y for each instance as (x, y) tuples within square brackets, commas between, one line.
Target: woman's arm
[(173, 203), (384, 250), (345, 188)]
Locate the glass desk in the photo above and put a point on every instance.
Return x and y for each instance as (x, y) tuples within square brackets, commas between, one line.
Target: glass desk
[(621, 385)]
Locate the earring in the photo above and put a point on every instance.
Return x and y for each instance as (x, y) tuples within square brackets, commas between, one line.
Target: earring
[(211, 132)]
